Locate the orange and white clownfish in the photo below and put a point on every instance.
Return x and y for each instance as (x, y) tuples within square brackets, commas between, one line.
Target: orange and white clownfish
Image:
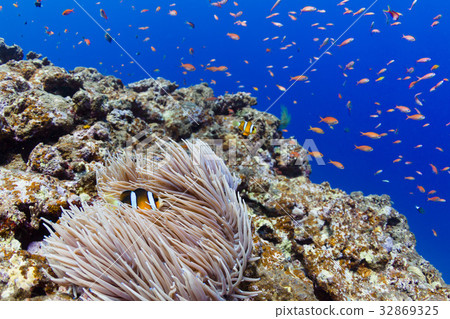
[(140, 198), (247, 128)]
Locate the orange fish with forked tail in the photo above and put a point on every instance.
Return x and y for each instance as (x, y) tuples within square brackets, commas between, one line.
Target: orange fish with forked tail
[(329, 120), (372, 135), (187, 66), (337, 164)]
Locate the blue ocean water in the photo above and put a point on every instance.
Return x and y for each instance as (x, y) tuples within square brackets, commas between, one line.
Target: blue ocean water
[(62, 39)]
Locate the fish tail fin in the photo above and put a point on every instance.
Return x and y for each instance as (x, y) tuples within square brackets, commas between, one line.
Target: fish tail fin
[(321, 119), (408, 117), (356, 147)]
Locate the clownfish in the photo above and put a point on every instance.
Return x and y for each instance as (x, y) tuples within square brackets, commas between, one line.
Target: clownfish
[(247, 128), (140, 198)]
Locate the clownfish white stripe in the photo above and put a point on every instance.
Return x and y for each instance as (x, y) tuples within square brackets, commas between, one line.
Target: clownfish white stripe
[(133, 200), (151, 200)]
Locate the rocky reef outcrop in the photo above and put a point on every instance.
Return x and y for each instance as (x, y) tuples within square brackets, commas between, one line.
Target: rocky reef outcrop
[(57, 127)]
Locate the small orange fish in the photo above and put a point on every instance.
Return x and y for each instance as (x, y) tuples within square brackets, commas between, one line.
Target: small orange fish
[(426, 76), (359, 11), (88, 42), (434, 233), (308, 9), (233, 36), (421, 189), (67, 12), (299, 78), (363, 81), (403, 109), (372, 135), (412, 84), (317, 130), (409, 38), (329, 120), (423, 60), (416, 117), (173, 13), (187, 66), (281, 88), (434, 169), (434, 67), (364, 148), (410, 178), (345, 42), (315, 154), (337, 164)]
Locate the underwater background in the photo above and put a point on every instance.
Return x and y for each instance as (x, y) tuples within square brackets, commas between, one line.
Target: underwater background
[(77, 40)]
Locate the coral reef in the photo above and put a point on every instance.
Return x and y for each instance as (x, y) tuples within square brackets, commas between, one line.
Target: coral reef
[(314, 242)]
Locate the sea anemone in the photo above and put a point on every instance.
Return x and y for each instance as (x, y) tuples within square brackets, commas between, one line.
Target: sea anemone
[(196, 246)]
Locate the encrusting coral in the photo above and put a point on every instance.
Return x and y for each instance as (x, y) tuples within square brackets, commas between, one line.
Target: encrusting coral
[(195, 247)]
